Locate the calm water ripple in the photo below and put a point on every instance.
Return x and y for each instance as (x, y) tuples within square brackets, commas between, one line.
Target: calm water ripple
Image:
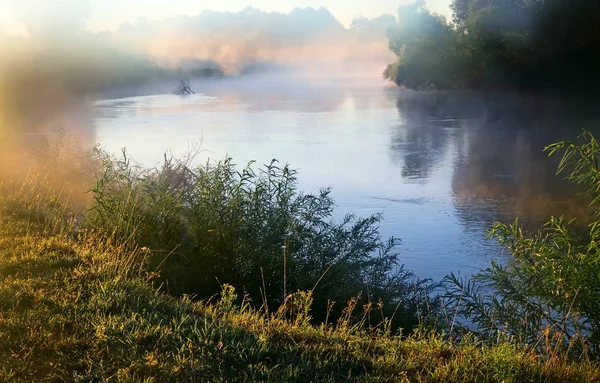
[(440, 167)]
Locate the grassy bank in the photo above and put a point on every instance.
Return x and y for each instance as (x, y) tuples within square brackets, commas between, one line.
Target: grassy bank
[(76, 306)]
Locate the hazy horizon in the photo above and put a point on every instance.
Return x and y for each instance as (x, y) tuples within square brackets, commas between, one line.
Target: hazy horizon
[(110, 15)]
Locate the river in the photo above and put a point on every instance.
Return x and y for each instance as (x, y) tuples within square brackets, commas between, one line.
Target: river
[(441, 167)]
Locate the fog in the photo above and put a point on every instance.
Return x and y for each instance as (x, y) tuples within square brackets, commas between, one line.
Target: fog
[(48, 77), (252, 40)]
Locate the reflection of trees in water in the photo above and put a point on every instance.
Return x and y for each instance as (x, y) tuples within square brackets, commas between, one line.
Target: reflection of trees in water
[(503, 162), (504, 167), (420, 142), (499, 167)]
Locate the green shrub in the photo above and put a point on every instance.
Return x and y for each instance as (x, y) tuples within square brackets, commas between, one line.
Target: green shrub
[(548, 294), (213, 224)]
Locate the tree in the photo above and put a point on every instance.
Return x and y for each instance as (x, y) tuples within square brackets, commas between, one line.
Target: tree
[(426, 49), (538, 45)]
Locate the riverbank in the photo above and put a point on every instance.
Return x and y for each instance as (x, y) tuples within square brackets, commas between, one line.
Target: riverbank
[(79, 303), (82, 309)]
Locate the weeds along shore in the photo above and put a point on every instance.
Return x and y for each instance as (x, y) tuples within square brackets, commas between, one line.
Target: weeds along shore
[(225, 273)]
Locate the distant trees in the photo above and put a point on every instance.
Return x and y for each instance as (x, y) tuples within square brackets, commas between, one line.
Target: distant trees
[(372, 28), (537, 45), (426, 48)]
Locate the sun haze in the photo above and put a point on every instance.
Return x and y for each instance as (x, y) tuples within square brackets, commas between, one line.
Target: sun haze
[(111, 14)]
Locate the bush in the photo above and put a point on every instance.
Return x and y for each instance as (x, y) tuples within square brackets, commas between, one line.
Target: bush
[(252, 229), (548, 294)]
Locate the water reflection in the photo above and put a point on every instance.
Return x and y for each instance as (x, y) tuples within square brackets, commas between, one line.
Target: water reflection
[(440, 167), (495, 144), (421, 140)]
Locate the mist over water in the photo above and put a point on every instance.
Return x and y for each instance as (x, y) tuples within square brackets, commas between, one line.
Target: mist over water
[(59, 66), (50, 76), (440, 167), (300, 88)]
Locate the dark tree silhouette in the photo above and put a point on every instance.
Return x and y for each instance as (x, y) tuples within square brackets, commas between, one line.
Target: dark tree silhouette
[(546, 45), (185, 87)]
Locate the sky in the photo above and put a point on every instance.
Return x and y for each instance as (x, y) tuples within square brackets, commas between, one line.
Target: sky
[(110, 14)]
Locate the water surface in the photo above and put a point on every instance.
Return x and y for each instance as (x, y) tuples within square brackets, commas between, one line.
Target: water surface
[(440, 167)]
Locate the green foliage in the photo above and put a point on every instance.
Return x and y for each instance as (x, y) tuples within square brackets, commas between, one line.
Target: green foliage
[(214, 224), (538, 45), (69, 313), (583, 160), (426, 50), (82, 305), (548, 294)]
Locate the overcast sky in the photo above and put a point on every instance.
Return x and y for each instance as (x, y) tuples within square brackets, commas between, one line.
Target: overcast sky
[(109, 14)]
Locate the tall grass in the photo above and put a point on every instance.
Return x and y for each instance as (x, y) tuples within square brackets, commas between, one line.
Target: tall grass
[(213, 224), (44, 180)]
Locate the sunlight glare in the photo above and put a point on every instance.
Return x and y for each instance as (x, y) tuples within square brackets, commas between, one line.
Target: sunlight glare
[(8, 22)]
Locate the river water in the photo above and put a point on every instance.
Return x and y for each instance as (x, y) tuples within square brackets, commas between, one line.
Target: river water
[(441, 167)]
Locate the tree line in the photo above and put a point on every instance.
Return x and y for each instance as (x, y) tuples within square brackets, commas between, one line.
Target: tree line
[(537, 45)]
